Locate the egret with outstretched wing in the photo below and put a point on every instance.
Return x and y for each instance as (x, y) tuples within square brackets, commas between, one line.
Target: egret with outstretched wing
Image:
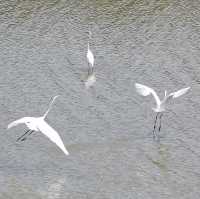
[(160, 104), (39, 124)]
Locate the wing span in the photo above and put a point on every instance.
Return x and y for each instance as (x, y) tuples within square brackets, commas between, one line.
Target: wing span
[(180, 92), (142, 89), (52, 135)]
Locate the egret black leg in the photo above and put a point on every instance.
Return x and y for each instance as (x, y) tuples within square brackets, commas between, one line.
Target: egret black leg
[(23, 139), (23, 135), (154, 128), (88, 69), (92, 70), (160, 122), (31, 132)]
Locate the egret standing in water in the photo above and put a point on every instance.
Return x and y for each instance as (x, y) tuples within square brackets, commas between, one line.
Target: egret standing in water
[(160, 104), (90, 56), (91, 78), (39, 124)]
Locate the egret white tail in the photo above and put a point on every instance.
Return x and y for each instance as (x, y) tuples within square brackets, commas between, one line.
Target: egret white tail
[(160, 104), (39, 124)]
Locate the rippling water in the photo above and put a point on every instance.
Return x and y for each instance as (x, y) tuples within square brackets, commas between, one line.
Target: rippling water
[(107, 129)]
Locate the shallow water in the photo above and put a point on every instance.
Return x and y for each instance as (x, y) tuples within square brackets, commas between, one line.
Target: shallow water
[(107, 129)]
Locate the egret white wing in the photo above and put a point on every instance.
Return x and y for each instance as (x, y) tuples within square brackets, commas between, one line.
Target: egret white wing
[(90, 57), (180, 92), (15, 123), (142, 89), (47, 130)]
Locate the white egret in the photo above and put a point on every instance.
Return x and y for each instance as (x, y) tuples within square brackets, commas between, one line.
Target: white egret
[(90, 56), (39, 124), (160, 104)]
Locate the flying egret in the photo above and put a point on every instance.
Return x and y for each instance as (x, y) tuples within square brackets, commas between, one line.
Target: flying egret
[(90, 57), (39, 124), (160, 104)]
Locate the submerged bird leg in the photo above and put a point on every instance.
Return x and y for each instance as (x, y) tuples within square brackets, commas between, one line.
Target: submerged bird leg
[(154, 128), (160, 122), (92, 70), (89, 69), (23, 135)]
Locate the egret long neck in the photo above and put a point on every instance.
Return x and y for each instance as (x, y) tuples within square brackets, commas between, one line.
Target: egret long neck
[(90, 37), (50, 106)]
